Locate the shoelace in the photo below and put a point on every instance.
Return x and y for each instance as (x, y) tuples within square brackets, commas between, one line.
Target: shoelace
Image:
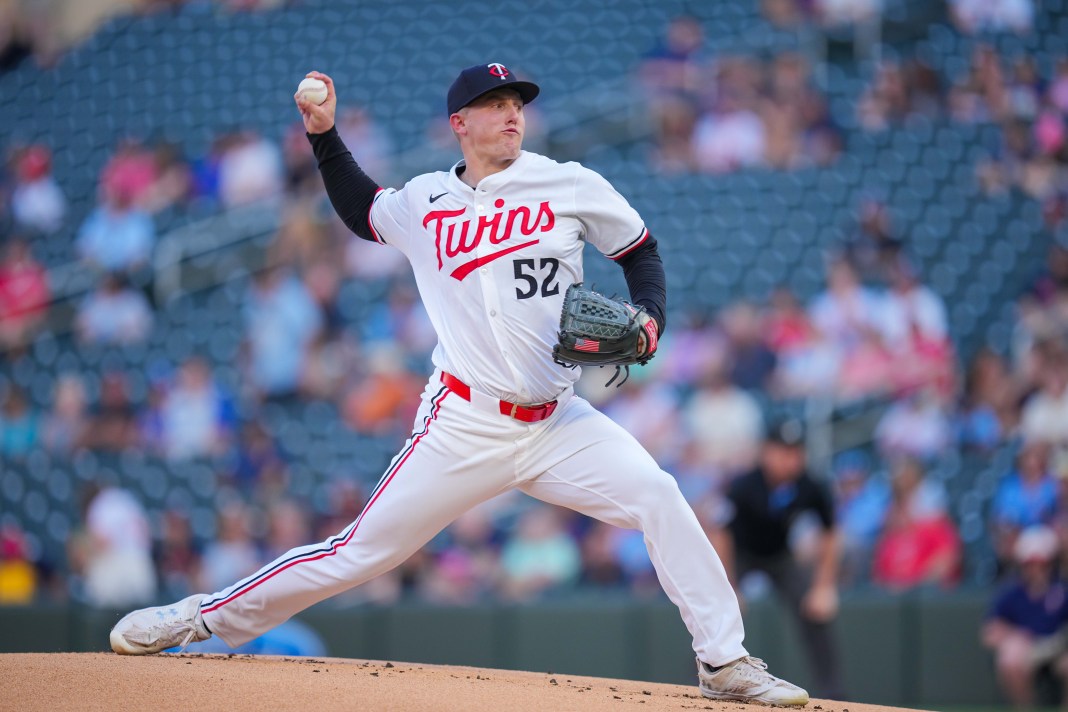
[(188, 639), (161, 629), (754, 669)]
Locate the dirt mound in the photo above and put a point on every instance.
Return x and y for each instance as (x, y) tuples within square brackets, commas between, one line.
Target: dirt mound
[(161, 683)]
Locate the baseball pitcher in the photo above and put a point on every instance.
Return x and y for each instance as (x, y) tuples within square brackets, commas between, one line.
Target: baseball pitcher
[(496, 245)]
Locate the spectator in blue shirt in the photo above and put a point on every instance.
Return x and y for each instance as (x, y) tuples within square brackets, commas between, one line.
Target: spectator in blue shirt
[(1026, 497), (117, 236), (861, 503), (1026, 625), (281, 320)]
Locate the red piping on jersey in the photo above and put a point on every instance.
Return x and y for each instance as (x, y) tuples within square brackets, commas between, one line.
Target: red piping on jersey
[(371, 224), (469, 267), (316, 555), (636, 245)]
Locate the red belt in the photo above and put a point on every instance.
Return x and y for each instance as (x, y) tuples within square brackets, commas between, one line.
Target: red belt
[(525, 413)]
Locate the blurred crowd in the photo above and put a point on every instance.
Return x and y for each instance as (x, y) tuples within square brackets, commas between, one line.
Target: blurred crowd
[(717, 113), (968, 16), (1028, 104), (876, 334), (39, 32), (295, 345)]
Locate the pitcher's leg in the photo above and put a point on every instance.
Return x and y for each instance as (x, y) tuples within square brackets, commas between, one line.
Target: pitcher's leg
[(595, 467), (434, 479)]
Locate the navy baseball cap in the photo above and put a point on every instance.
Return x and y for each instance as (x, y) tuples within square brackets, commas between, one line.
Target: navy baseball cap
[(481, 79)]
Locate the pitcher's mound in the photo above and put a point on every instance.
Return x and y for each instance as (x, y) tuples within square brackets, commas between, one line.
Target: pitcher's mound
[(162, 683)]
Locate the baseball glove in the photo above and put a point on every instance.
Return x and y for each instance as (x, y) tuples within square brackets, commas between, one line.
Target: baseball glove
[(601, 331)]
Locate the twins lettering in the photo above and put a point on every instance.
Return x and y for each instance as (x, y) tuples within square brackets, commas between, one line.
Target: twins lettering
[(453, 237)]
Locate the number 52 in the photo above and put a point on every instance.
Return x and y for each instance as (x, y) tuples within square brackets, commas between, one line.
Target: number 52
[(526, 270)]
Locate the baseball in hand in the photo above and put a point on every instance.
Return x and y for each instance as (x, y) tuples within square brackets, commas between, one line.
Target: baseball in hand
[(313, 90)]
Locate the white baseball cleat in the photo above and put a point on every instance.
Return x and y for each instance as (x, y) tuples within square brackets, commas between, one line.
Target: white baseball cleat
[(748, 680), (150, 630)]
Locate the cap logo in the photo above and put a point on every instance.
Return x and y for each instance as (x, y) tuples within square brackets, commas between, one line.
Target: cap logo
[(498, 70)]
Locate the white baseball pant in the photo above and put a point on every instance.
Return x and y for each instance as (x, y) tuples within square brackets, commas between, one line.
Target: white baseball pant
[(460, 455)]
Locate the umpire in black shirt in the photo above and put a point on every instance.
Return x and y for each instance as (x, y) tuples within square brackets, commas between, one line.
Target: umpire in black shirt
[(763, 506)]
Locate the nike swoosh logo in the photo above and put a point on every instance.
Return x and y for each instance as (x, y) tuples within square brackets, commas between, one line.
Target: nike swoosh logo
[(469, 267), (435, 197)]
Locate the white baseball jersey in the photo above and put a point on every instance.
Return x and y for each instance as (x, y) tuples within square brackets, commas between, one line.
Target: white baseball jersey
[(493, 262)]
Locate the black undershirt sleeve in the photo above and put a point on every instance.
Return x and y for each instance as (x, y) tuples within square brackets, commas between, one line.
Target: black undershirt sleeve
[(644, 273), (350, 190)]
